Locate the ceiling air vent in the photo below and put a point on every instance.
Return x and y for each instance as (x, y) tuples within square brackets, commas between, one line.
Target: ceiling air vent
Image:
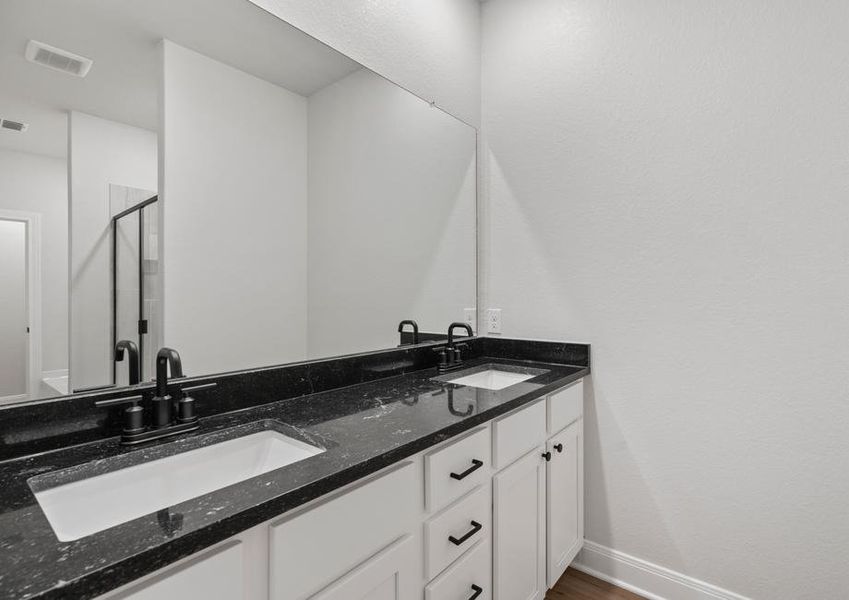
[(58, 59), (13, 125)]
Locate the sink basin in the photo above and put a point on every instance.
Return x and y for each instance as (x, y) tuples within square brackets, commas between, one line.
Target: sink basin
[(491, 378), (86, 506)]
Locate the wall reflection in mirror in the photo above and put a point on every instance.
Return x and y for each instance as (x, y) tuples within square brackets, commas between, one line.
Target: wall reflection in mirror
[(202, 175)]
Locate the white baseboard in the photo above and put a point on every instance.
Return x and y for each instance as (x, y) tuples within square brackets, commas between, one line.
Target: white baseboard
[(644, 578)]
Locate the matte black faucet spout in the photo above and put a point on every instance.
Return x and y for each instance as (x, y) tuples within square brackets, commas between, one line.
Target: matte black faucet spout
[(412, 324), (454, 326), (163, 405), (164, 357), (133, 353)]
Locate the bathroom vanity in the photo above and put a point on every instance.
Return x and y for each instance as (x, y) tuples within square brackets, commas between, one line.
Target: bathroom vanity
[(502, 517), (406, 486)]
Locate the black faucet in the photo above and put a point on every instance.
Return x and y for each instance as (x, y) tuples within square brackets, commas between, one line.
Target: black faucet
[(169, 418), (133, 353), (458, 325), (163, 406), (450, 357), (415, 327)]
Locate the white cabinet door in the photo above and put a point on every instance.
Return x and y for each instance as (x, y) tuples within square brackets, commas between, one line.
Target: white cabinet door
[(565, 499), (389, 575), (519, 531), (310, 550), (216, 574)]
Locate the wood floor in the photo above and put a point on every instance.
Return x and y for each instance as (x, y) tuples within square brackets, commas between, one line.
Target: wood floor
[(575, 585)]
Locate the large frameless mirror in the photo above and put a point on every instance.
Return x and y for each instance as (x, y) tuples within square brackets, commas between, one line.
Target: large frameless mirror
[(200, 174)]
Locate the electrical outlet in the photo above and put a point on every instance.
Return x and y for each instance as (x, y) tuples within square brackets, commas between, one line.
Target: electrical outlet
[(493, 320), (469, 317)]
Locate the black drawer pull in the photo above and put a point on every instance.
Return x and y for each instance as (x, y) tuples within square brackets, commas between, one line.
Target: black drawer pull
[(478, 590), (558, 447), (476, 464), (475, 528)]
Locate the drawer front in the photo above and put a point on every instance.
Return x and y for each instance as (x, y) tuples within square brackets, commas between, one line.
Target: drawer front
[(470, 577), (565, 407), (456, 529), (518, 433), (306, 552), (456, 469)]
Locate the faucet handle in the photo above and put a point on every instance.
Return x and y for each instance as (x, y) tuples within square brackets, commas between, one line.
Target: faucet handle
[(443, 355), (186, 405), (197, 388), (186, 410), (133, 414), (458, 348), (116, 401)]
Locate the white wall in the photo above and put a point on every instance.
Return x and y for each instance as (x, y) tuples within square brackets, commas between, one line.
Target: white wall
[(431, 47), (668, 181), (39, 184), (101, 152), (391, 215), (234, 195), (13, 316)]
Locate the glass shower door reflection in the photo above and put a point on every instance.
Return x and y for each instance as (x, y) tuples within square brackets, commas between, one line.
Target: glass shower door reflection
[(151, 293), (135, 277), (127, 288)]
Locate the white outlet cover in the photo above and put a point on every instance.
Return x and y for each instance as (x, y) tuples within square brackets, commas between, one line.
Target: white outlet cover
[(470, 316), (493, 320)]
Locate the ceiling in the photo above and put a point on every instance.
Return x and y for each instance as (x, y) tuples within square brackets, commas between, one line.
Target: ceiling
[(122, 38)]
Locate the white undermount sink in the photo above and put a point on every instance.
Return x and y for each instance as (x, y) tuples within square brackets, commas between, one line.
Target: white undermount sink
[(87, 506), (491, 379)]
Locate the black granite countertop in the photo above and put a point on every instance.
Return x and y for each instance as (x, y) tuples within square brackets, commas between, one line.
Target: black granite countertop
[(364, 428)]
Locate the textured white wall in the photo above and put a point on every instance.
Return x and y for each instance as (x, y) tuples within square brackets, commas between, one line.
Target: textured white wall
[(668, 181), (234, 151), (39, 184), (391, 215), (101, 152), (431, 47)]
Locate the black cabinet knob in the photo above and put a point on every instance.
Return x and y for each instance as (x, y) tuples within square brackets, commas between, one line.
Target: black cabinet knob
[(558, 447), (546, 456)]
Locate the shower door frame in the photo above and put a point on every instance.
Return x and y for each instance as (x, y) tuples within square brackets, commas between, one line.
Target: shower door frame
[(143, 328)]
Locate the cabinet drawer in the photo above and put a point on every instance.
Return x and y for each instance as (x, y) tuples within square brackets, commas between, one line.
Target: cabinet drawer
[(462, 581), (456, 469), (565, 407), (312, 549), (517, 433), (450, 533)]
